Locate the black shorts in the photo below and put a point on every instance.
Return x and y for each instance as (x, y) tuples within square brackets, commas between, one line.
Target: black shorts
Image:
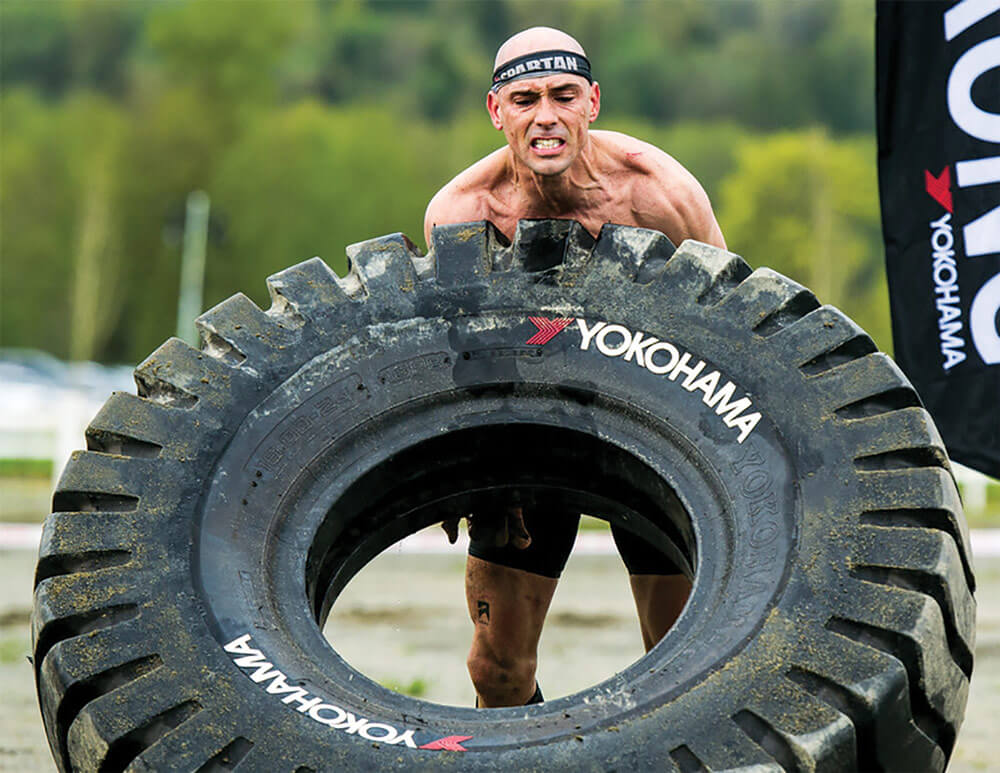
[(553, 532)]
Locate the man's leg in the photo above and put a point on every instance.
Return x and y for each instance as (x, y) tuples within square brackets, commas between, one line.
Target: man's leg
[(508, 608), (659, 599), (658, 587), (508, 590)]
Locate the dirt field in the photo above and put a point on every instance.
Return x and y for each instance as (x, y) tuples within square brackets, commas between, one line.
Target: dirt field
[(402, 621)]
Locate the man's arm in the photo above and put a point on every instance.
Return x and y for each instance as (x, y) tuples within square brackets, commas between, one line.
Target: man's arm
[(695, 216), (669, 199), (461, 200), (449, 205), (436, 214), (452, 204)]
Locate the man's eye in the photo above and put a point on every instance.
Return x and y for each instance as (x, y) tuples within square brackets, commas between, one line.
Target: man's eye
[(564, 99)]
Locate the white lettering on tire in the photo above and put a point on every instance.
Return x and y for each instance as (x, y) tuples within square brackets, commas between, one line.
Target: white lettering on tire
[(276, 683), (662, 358)]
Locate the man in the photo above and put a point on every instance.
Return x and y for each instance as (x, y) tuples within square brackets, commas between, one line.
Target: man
[(544, 99)]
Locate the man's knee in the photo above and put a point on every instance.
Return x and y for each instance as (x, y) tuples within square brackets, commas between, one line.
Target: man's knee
[(501, 678)]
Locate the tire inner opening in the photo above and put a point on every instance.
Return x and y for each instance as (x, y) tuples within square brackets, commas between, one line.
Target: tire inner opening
[(448, 475)]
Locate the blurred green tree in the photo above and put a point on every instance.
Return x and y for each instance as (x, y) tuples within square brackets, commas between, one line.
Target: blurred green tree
[(235, 98), (706, 149), (58, 46), (59, 194), (806, 205), (308, 181), (204, 74), (229, 52)]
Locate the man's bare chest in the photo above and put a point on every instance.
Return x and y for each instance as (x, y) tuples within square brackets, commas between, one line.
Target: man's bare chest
[(506, 216)]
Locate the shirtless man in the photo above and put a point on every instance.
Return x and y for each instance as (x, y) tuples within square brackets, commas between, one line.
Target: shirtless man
[(544, 99)]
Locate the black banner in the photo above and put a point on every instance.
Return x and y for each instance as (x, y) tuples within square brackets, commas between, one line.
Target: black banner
[(938, 90)]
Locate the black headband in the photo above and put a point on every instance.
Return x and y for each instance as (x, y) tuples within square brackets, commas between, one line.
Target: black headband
[(541, 63)]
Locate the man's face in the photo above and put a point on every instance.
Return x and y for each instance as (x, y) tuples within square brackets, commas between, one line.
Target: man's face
[(545, 119)]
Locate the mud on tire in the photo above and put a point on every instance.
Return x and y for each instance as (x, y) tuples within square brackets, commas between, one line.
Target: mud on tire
[(197, 545)]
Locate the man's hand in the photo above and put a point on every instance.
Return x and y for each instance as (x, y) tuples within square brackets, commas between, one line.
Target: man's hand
[(496, 528)]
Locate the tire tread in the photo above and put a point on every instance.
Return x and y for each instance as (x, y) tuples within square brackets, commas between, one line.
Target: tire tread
[(54, 565), (124, 749), (929, 718), (762, 733), (228, 757), (687, 761)]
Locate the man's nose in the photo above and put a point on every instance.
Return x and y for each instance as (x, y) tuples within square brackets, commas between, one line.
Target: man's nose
[(545, 114)]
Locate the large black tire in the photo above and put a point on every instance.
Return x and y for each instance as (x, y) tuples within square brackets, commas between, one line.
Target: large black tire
[(198, 543)]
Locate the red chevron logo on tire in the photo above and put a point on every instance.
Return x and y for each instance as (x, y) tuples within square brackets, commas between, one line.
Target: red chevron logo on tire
[(450, 743), (547, 328)]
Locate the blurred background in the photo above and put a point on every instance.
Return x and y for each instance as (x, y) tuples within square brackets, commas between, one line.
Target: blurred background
[(314, 124)]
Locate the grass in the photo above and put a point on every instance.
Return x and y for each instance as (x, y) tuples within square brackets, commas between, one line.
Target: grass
[(26, 468), (983, 519), (25, 490), (416, 688), (24, 499), (589, 523), (987, 517), (14, 648)]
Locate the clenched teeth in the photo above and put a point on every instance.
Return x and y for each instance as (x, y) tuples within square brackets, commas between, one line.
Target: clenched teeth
[(547, 144)]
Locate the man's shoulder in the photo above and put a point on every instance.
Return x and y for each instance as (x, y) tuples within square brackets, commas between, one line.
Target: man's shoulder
[(648, 162), (624, 143), (662, 193), (462, 198)]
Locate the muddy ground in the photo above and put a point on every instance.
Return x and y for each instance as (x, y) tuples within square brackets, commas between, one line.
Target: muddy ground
[(402, 621)]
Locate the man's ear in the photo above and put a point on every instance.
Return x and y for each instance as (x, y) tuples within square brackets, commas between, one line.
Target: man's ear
[(595, 101), (493, 108)]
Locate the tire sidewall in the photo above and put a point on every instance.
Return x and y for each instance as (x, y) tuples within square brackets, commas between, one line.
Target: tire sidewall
[(341, 413)]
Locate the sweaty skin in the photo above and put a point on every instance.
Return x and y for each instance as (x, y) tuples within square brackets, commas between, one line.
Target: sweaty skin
[(555, 166)]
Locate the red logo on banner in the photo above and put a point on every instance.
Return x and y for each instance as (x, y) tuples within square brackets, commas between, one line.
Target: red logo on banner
[(450, 743), (547, 328), (939, 187)]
